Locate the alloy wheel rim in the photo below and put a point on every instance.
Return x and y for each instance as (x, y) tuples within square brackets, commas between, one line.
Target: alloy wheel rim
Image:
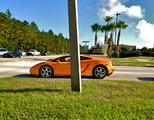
[(46, 71), (100, 72)]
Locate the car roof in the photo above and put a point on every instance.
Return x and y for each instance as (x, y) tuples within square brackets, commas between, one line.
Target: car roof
[(3, 48), (92, 57)]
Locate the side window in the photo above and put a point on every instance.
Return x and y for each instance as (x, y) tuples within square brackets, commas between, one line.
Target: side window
[(3, 50), (84, 58), (65, 59), (68, 59), (55, 60), (62, 59)]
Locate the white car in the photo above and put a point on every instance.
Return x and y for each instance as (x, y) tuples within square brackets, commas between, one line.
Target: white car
[(3, 51), (33, 52), (23, 53)]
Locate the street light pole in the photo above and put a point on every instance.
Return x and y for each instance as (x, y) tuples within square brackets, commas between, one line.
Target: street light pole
[(85, 43), (115, 42), (74, 46), (116, 30)]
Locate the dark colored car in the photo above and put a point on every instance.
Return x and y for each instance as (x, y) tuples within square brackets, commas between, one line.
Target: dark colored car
[(46, 53), (13, 54)]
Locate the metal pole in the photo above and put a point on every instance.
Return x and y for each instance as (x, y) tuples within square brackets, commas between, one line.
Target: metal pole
[(116, 30), (74, 46), (85, 43), (116, 34)]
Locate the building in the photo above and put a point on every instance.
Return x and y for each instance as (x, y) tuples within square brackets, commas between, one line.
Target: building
[(131, 47)]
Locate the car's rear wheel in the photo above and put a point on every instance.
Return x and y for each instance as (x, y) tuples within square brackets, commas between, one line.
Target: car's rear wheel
[(46, 71), (99, 72)]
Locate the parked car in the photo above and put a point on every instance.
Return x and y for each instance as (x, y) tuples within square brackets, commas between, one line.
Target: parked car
[(46, 53), (23, 53), (33, 52), (3, 51), (13, 54), (90, 66)]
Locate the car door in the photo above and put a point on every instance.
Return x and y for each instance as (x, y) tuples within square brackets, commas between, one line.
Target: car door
[(62, 67), (85, 62)]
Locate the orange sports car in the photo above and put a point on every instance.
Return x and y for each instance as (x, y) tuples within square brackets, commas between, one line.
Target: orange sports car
[(90, 66)]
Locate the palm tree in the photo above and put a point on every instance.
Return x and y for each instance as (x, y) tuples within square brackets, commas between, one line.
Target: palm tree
[(106, 29), (111, 27), (107, 19), (120, 25), (96, 28)]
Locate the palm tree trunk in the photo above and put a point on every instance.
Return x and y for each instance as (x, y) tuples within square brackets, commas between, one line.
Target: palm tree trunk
[(109, 51), (106, 38), (118, 42), (95, 39)]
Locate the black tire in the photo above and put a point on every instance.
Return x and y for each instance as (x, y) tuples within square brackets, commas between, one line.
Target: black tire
[(99, 72), (46, 71)]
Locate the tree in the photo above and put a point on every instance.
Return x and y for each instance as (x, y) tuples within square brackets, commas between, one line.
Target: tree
[(107, 19), (26, 23), (111, 27), (124, 49), (96, 28), (120, 25), (8, 13), (144, 49), (106, 29), (16, 34), (34, 26), (51, 32)]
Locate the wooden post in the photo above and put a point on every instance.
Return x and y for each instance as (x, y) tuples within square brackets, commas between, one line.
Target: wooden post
[(74, 46)]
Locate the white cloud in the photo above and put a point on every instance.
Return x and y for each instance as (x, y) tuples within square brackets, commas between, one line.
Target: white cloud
[(145, 32), (101, 40), (111, 7)]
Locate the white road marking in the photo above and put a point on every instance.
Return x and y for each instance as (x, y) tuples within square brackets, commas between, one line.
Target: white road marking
[(7, 69), (21, 63), (134, 73)]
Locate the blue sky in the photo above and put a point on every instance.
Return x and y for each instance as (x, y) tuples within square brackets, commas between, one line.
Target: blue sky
[(53, 14)]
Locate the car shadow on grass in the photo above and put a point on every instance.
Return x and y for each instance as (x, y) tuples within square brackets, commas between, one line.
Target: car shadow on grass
[(146, 78), (25, 75), (29, 76), (26, 90)]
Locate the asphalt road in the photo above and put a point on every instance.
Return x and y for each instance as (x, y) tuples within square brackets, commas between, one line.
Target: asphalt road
[(19, 67)]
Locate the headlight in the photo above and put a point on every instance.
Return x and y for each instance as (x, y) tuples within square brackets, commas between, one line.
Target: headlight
[(110, 65)]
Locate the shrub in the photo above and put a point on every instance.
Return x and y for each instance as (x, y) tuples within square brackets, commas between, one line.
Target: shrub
[(130, 54), (146, 53), (152, 54)]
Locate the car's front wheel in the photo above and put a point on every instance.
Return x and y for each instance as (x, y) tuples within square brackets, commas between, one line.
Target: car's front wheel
[(99, 72), (46, 71)]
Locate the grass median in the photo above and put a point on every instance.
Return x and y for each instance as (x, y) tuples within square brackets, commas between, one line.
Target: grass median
[(134, 61), (38, 98)]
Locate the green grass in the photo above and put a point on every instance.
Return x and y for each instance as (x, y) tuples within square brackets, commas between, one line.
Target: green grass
[(132, 61), (50, 99)]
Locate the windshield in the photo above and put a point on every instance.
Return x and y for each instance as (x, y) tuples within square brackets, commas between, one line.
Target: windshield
[(3, 50)]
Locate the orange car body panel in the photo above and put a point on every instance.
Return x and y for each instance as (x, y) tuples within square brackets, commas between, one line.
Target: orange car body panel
[(63, 68)]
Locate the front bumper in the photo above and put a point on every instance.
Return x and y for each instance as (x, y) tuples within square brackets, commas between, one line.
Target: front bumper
[(110, 68), (110, 73)]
